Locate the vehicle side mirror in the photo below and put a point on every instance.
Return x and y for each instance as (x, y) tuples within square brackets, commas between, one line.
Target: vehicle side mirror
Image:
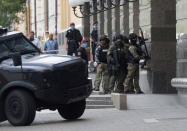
[(17, 61)]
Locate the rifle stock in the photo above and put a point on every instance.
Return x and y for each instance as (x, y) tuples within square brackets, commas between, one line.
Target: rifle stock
[(142, 42)]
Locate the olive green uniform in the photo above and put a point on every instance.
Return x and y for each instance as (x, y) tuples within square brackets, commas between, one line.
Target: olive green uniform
[(102, 77), (132, 79)]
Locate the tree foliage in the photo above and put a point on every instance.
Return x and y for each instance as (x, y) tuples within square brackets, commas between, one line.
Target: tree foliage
[(9, 10)]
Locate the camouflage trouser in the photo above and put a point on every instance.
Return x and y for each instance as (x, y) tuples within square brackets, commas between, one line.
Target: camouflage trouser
[(102, 76), (117, 80), (132, 80)]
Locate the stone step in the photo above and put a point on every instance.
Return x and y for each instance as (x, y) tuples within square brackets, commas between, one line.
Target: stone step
[(99, 106), (98, 102), (97, 93), (149, 101), (139, 101), (100, 97), (144, 101)]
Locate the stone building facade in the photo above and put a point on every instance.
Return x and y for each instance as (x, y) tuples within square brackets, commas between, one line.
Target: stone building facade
[(50, 15), (160, 21)]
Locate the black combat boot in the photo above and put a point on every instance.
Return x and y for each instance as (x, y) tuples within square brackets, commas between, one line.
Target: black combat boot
[(129, 92), (139, 92)]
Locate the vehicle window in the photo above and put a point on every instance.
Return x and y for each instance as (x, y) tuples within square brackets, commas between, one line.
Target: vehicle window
[(4, 51), (20, 45)]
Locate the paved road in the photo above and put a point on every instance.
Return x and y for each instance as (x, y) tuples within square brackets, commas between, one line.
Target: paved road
[(153, 119)]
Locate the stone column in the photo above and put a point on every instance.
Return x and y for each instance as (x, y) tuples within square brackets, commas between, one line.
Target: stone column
[(35, 18), (46, 12), (108, 23), (136, 19), (181, 49), (116, 18), (86, 21), (93, 18), (131, 14), (28, 17), (101, 20), (56, 17), (125, 19), (163, 49)]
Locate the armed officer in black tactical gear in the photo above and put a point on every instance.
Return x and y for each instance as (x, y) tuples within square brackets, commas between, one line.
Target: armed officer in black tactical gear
[(74, 39), (94, 37), (117, 63), (102, 68)]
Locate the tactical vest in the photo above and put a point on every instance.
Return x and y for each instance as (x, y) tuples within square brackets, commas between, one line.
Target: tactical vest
[(102, 55), (131, 58), (122, 57), (120, 54), (74, 35), (139, 50)]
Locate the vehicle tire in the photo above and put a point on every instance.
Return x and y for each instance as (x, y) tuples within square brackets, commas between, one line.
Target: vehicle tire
[(72, 111), (20, 108)]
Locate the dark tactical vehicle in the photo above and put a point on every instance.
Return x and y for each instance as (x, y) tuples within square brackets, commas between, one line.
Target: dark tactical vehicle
[(31, 81)]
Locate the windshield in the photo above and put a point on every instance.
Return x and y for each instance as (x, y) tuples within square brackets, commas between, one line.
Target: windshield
[(18, 44)]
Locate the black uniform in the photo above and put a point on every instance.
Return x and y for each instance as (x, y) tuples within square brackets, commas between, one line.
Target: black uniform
[(83, 54), (94, 36), (74, 37), (117, 65)]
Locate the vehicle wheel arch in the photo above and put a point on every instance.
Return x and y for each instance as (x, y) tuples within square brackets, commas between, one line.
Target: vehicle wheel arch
[(16, 86)]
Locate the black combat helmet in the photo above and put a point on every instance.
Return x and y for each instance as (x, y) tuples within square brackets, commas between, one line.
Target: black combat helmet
[(117, 37), (133, 38), (118, 40), (126, 39), (104, 38)]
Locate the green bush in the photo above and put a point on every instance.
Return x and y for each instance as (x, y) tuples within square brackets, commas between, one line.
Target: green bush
[(9, 10)]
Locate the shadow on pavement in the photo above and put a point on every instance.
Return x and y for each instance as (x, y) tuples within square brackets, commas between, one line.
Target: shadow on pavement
[(44, 123), (58, 122)]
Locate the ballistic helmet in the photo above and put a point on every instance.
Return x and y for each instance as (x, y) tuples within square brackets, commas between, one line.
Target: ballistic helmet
[(133, 38), (117, 37)]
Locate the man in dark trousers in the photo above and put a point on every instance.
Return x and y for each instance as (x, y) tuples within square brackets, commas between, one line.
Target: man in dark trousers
[(74, 39), (117, 63), (82, 53)]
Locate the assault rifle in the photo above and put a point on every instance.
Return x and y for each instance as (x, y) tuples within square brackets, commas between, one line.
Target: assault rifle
[(142, 41)]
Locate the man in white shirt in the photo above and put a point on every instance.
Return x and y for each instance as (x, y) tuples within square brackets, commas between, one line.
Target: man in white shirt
[(34, 40)]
